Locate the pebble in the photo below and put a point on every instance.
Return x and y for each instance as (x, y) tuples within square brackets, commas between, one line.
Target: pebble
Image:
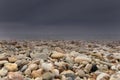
[(115, 76), (2, 56), (15, 76), (24, 68), (74, 54), (36, 73), (47, 76), (39, 56), (47, 66), (59, 60), (3, 62), (103, 76), (3, 72), (116, 55), (11, 66), (33, 67), (38, 78), (56, 72), (57, 55), (68, 73), (27, 72), (81, 58), (12, 59), (81, 73), (88, 68)]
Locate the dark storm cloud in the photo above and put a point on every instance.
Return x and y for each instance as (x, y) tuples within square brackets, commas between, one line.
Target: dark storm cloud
[(57, 12), (59, 17)]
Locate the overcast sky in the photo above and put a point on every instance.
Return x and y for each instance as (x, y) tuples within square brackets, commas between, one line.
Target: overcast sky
[(74, 19)]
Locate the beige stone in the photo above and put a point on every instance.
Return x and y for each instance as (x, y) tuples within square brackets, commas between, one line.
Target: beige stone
[(11, 66)]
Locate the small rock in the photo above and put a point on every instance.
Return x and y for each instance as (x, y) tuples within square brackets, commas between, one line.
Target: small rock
[(58, 49), (12, 59), (27, 72), (81, 58), (3, 57), (57, 55), (74, 53), (24, 68), (88, 68), (47, 66), (116, 55), (33, 67), (39, 56), (115, 76), (56, 72), (15, 76), (102, 76), (3, 72), (3, 62), (36, 73), (38, 78), (81, 73), (48, 76), (68, 73), (11, 66)]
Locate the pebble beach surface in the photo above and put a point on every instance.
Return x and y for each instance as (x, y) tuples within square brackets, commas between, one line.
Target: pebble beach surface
[(59, 60)]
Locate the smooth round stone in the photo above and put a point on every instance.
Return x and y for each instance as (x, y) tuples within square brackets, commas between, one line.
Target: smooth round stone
[(115, 76), (15, 76), (27, 72), (56, 72), (33, 66), (47, 76), (3, 72), (36, 73), (47, 66), (57, 55), (11, 66), (103, 76)]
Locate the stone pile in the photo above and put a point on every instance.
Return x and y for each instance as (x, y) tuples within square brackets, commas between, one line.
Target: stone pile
[(59, 60)]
